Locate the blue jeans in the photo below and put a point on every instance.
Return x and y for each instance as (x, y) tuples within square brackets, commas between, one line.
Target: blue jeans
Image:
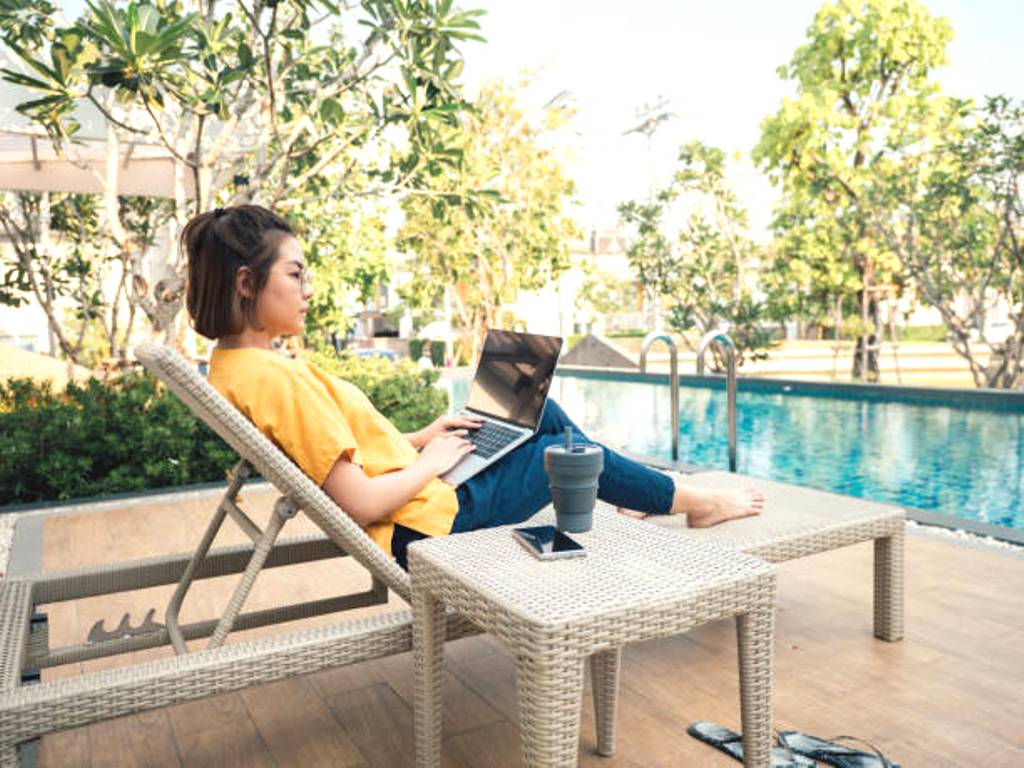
[(515, 487)]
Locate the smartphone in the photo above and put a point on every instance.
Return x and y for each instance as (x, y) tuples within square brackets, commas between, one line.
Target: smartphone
[(545, 542)]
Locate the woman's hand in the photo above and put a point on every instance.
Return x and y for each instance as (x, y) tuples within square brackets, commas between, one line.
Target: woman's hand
[(459, 425), (444, 451)]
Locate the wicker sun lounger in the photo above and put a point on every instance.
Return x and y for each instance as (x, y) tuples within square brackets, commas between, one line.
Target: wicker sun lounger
[(28, 711), (799, 521)]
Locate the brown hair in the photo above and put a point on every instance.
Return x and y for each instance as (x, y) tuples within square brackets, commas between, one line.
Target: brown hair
[(218, 243)]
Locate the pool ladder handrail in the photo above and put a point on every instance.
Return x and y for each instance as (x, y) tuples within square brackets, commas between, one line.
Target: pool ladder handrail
[(726, 341), (673, 380)]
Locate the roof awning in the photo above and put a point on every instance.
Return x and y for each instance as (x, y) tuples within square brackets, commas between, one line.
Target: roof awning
[(29, 163)]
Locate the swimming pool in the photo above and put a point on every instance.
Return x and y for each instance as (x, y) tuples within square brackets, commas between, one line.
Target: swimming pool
[(959, 454)]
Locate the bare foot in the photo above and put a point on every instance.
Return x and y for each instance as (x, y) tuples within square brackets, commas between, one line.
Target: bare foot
[(705, 507)]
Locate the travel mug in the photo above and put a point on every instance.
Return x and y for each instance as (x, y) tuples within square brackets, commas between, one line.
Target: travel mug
[(573, 471)]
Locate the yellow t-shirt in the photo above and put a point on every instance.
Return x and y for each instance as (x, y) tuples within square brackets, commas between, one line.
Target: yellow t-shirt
[(316, 418)]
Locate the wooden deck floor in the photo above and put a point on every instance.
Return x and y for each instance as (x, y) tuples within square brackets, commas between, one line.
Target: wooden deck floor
[(948, 695)]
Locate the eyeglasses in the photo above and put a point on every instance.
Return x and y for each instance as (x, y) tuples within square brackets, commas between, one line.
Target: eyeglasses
[(303, 274)]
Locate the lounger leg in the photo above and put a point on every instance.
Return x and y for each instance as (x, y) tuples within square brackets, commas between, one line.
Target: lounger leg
[(889, 587), (754, 632), (604, 681), (260, 552), (428, 631), (550, 693), (239, 475), (9, 757)]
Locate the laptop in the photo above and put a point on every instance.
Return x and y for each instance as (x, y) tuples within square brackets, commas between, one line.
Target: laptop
[(509, 390)]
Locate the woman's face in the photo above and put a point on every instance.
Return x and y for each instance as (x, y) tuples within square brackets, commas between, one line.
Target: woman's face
[(282, 306)]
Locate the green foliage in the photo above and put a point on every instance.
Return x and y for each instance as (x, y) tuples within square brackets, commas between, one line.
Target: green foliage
[(130, 434), (607, 294), (864, 105), (956, 222), (348, 252), (26, 23), (68, 269), (703, 272), (436, 351), (157, 57), (404, 393), (303, 103), (886, 181), (922, 333), (101, 437), (78, 266), (90, 289), (484, 254)]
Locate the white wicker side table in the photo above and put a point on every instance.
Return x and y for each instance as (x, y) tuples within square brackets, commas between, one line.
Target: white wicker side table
[(636, 582)]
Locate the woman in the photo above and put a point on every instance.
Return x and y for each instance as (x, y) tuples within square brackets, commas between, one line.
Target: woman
[(248, 285)]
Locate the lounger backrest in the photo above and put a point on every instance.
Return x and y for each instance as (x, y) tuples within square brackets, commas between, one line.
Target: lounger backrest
[(207, 403)]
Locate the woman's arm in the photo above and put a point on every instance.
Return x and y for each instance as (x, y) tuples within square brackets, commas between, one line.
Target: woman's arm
[(371, 499), (443, 425)]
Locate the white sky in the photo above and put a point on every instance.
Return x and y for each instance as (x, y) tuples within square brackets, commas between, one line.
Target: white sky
[(716, 63)]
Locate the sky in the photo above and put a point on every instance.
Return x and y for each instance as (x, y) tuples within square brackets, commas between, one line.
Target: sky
[(715, 63)]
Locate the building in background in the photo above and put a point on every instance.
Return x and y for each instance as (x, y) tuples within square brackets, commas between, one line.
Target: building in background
[(568, 307)]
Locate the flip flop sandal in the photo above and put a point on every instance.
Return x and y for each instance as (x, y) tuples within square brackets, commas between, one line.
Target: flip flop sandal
[(831, 753), (731, 743)]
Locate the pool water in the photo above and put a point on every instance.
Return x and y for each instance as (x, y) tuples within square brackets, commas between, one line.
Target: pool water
[(950, 459)]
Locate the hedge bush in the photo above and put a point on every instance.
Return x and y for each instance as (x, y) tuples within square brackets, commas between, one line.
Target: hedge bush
[(436, 351), (101, 437), (130, 434)]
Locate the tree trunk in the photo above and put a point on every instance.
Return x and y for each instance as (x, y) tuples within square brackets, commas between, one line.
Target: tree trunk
[(1005, 369), (44, 246), (111, 219), (865, 356), (24, 238), (164, 303)]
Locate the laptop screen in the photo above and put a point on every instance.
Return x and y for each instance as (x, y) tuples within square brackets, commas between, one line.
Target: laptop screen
[(513, 376)]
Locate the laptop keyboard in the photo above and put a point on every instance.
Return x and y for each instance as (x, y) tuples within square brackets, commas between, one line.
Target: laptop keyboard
[(491, 438)]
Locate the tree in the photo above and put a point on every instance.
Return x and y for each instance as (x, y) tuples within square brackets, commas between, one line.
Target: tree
[(702, 273), (605, 293), (484, 254), (60, 258), (257, 101), (955, 218), (863, 99), (350, 253)]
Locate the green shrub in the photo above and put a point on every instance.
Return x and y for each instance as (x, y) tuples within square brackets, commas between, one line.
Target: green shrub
[(400, 390), (130, 434), (101, 437), (923, 333), (436, 351)]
